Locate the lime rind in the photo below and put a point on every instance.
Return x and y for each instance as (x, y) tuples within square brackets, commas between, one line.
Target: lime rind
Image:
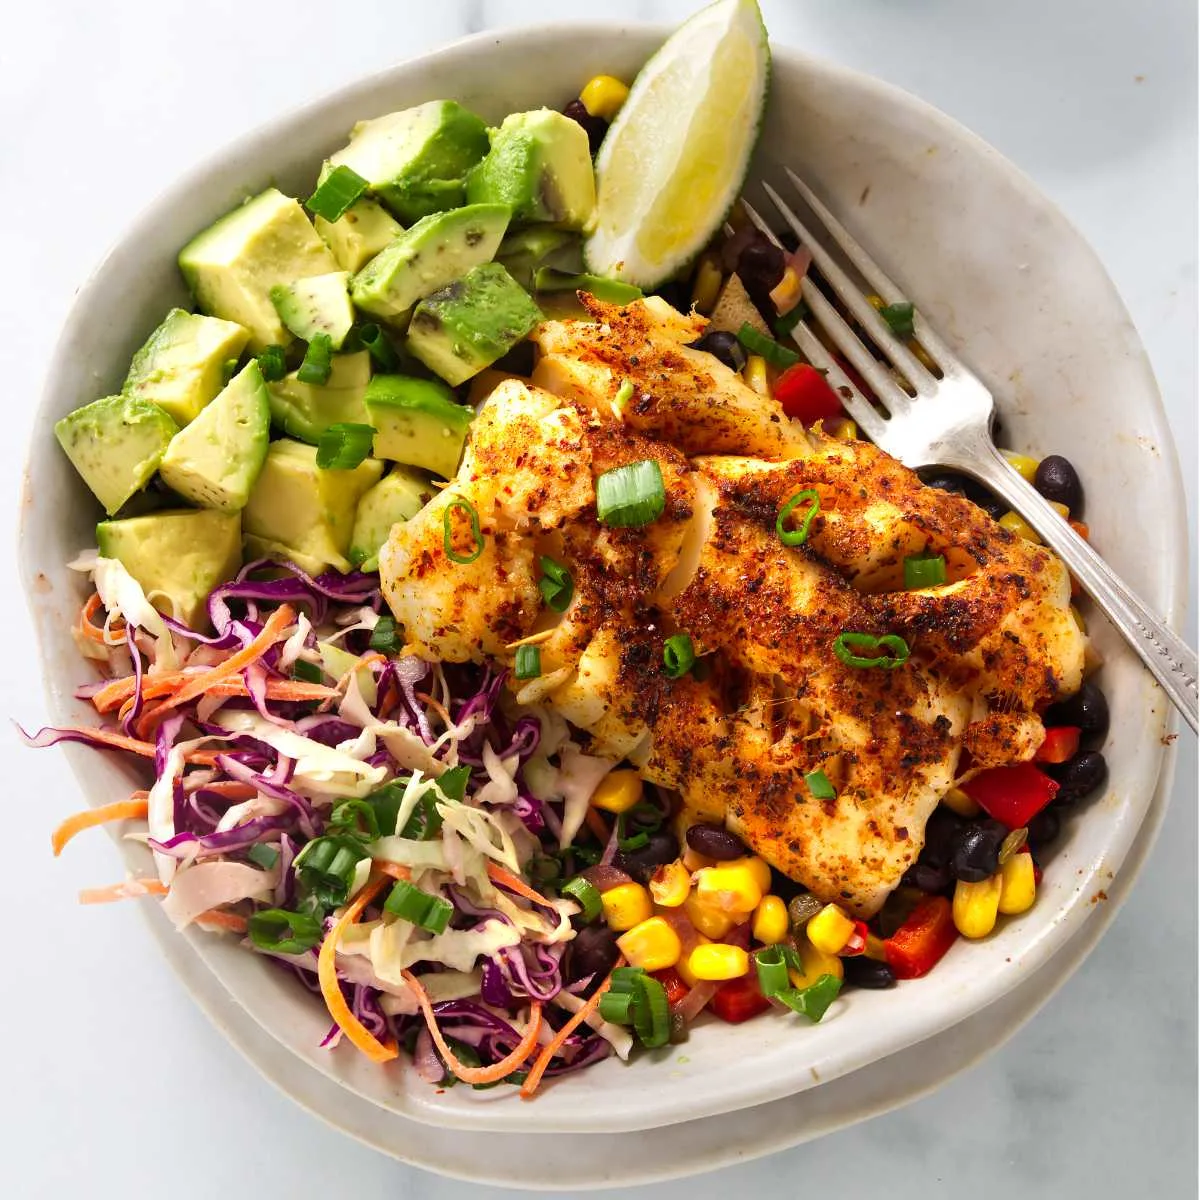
[(675, 159)]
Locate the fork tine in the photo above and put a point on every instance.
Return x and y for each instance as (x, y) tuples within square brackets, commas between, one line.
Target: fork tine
[(872, 271)]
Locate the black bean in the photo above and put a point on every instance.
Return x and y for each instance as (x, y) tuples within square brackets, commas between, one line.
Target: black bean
[(865, 972), (1088, 709), (760, 266), (663, 847), (1079, 776), (1044, 827), (1057, 480), (677, 293), (595, 127), (715, 842), (592, 951), (945, 482), (942, 832), (928, 877), (982, 498), (977, 855), (723, 345)]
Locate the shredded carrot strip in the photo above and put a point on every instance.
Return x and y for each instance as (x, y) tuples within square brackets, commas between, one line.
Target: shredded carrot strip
[(128, 889), (339, 1010), (121, 810), (555, 1044), (394, 870), (437, 707), (214, 918), (490, 1074), (231, 789), (595, 822), (156, 686), (85, 624), (515, 883)]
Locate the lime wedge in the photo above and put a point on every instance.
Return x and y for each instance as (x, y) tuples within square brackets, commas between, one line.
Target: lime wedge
[(675, 158)]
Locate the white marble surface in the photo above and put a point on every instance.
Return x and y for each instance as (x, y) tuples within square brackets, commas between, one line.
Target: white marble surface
[(113, 1084)]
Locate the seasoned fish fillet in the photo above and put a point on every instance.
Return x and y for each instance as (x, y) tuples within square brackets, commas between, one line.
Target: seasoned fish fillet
[(988, 648)]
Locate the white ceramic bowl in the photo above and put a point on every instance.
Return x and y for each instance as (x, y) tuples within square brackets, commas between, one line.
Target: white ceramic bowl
[(1009, 283)]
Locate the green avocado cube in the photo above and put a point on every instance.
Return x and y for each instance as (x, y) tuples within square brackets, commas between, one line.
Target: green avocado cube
[(214, 462), (524, 251), (540, 165), (398, 496), (464, 327), (306, 410), (437, 250), (359, 233), (116, 444), (318, 304), (296, 504), (232, 266), (177, 556), (182, 366), (416, 161), (417, 422)]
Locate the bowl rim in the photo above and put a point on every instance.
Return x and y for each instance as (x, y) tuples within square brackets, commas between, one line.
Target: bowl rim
[(1072, 911)]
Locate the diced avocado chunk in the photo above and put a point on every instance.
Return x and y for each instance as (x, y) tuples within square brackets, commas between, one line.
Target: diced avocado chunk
[(178, 557), (464, 327), (540, 165), (116, 444), (523, 251), (214, 461), (256, 547), (437, 250), (416, 161), (306, 410), (232, 266), (417, 422), (182, 365), (398, 496), (296, 504), (318, 304), (359, 233)]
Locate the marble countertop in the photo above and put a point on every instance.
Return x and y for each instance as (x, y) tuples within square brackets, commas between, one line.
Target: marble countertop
[(114, 1084)]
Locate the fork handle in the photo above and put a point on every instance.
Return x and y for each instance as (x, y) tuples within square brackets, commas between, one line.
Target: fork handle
[(1169, 659)]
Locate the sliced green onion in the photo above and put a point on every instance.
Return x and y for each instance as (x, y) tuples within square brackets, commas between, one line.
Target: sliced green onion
[(899, 318), (646, 816), (529, 662), (772, 970), (409, 903), (758, 343), (318, 360), (272, 363), (344, 445), (327, 865), (336, 193), (651, 1013), (611, 291), (467, 1055), (284, 932), (448, 533), (819, 786), (679, 655), (635, 841), (586, 894), (386, 803), (615, 1006), (624, 979), (357, 817), (924, 571), (556, 585), (623, 396), (308, 672), (790, 319), (544, 868), (813, 1001), (262, 855), (383, 636), (799, 535), (845, 645), (376, 343), (630, 496)]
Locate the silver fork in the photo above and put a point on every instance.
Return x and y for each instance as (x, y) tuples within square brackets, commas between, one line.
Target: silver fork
[(948, 424)]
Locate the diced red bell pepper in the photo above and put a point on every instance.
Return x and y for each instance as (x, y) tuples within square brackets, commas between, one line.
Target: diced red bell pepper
[(738, 1000), (805, 394), (919, 944), (1061, 743), (857, 942), (1012, 795), (674, 984)]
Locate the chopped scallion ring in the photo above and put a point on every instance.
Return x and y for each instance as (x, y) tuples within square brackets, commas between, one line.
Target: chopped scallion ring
[(899, 318), (813, 1001), (318, 360), (448, 533), (924, 571), (409, 903), (679, 655), (772, 970), (623, 397), (799, 535), (845, 645), (375, 341), (284, 932), (344, 445), (819, 786), (307, 671), (585, 894), (359, 818), (758, 343), (383, 636), (632, 495), (556, 585), (336, 193), (272, 364), (651, 1012), (615, 1006), (262, 855), (326, 867), (789, 320), (529, 662)]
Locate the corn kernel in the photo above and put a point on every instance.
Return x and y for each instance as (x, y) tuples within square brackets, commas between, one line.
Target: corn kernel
[(685, 971), (1062, 510), (1018, 887), (1024, 466), (815, 964), (626, 905), (652, 945), (875, 948), (730, 887), (718, 961), (976, 906), (671, 884), (603, 96), (757, 867), (710, 921), (755, 374), (1015, 523), (694, 860), (876, 302), (618, 792), (770, 921), (922, 356), (845, 430), (1077, 617), (958, 801), (707, 285), (785, 295), (830, 929)]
